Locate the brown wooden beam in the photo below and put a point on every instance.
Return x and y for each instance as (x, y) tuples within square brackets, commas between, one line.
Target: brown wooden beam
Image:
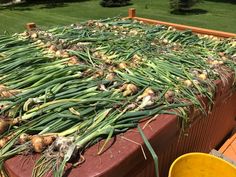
[(182, 27), (132, 12), (30, 26)]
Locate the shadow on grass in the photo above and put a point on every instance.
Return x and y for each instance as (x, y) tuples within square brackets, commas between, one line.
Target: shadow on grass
[(189, 12), (117, 5), (26, 6), (53, 5), (224, 1)]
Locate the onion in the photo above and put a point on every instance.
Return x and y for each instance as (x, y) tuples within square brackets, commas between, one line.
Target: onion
[(123, 87), (58, 53), (169, 96), (24, 138), (110, 76), (107, 60), (65, 54), (25, 33), (34, 35), (48, 140), (221, 54), (111, 68), (147, 92), (3, 141), (215, 62), (2, 87), (3, 126), (188, 83), (136, 57), (52, 48), (99, 73), (133, 32), (165, 41), (122, 65), (9, 93), (73, 60), (38, 143), (224, 58), (202, 76), (130, 89)]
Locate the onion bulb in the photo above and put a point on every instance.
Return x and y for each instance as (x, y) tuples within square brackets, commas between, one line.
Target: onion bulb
[(110, 76), (130, 90), (123, 87), (3, 126), (122, 65), (5, 139), (147, 92), (215, 62), (165, 41), (48, 140), (202, 76), (58, 53), (187, 83), (221, 54), (52, 48), (24, 138), (65, 54), (34, 35), (224, 58), (73, 60), (169, 96), (38, 143)]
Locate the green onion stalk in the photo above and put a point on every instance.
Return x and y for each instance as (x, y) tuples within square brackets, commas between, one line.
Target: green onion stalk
[(64, 89)]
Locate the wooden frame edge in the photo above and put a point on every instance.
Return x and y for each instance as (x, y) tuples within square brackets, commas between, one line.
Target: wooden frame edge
[(132, 14)]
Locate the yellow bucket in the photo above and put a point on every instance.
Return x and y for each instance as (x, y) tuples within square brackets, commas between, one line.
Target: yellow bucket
[(201, 165)]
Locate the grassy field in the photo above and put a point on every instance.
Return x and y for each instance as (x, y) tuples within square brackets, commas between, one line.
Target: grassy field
[(212, 14)]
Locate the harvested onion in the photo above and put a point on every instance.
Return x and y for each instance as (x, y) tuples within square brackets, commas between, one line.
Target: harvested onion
[(48, 140), (202, 76), (38, 143), (3, 126), (169, 96), (24, 138), (130, 90), (187, 83), (122, 65)]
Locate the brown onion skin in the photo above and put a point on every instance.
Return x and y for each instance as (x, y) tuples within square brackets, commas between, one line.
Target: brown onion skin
[(3, 126), (48, 140), (38, 143), (24, 138)]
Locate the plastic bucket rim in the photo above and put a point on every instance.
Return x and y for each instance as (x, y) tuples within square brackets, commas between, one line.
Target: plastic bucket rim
[(197, 153)]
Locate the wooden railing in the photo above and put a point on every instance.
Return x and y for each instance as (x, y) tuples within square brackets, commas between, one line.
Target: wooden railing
[(132, 14)]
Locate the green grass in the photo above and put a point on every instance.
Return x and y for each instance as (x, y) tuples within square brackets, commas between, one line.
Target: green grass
[(219, 15)]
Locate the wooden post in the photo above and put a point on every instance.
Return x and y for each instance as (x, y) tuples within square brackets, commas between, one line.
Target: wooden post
[(30, 26), (132, 12)]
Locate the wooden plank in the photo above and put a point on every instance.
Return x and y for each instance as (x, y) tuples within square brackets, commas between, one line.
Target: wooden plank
[(132, 14)]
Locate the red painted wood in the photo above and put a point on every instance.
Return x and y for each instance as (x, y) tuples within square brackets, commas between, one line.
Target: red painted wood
[(132, 12), (30, 26)]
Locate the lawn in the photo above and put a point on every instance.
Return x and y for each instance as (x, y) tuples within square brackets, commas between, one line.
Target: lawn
[(212, 14)]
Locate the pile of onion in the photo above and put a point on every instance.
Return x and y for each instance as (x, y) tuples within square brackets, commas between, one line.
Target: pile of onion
[(147, 92), (128, 89), (169, 96), (6, 123), (39, 142)]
